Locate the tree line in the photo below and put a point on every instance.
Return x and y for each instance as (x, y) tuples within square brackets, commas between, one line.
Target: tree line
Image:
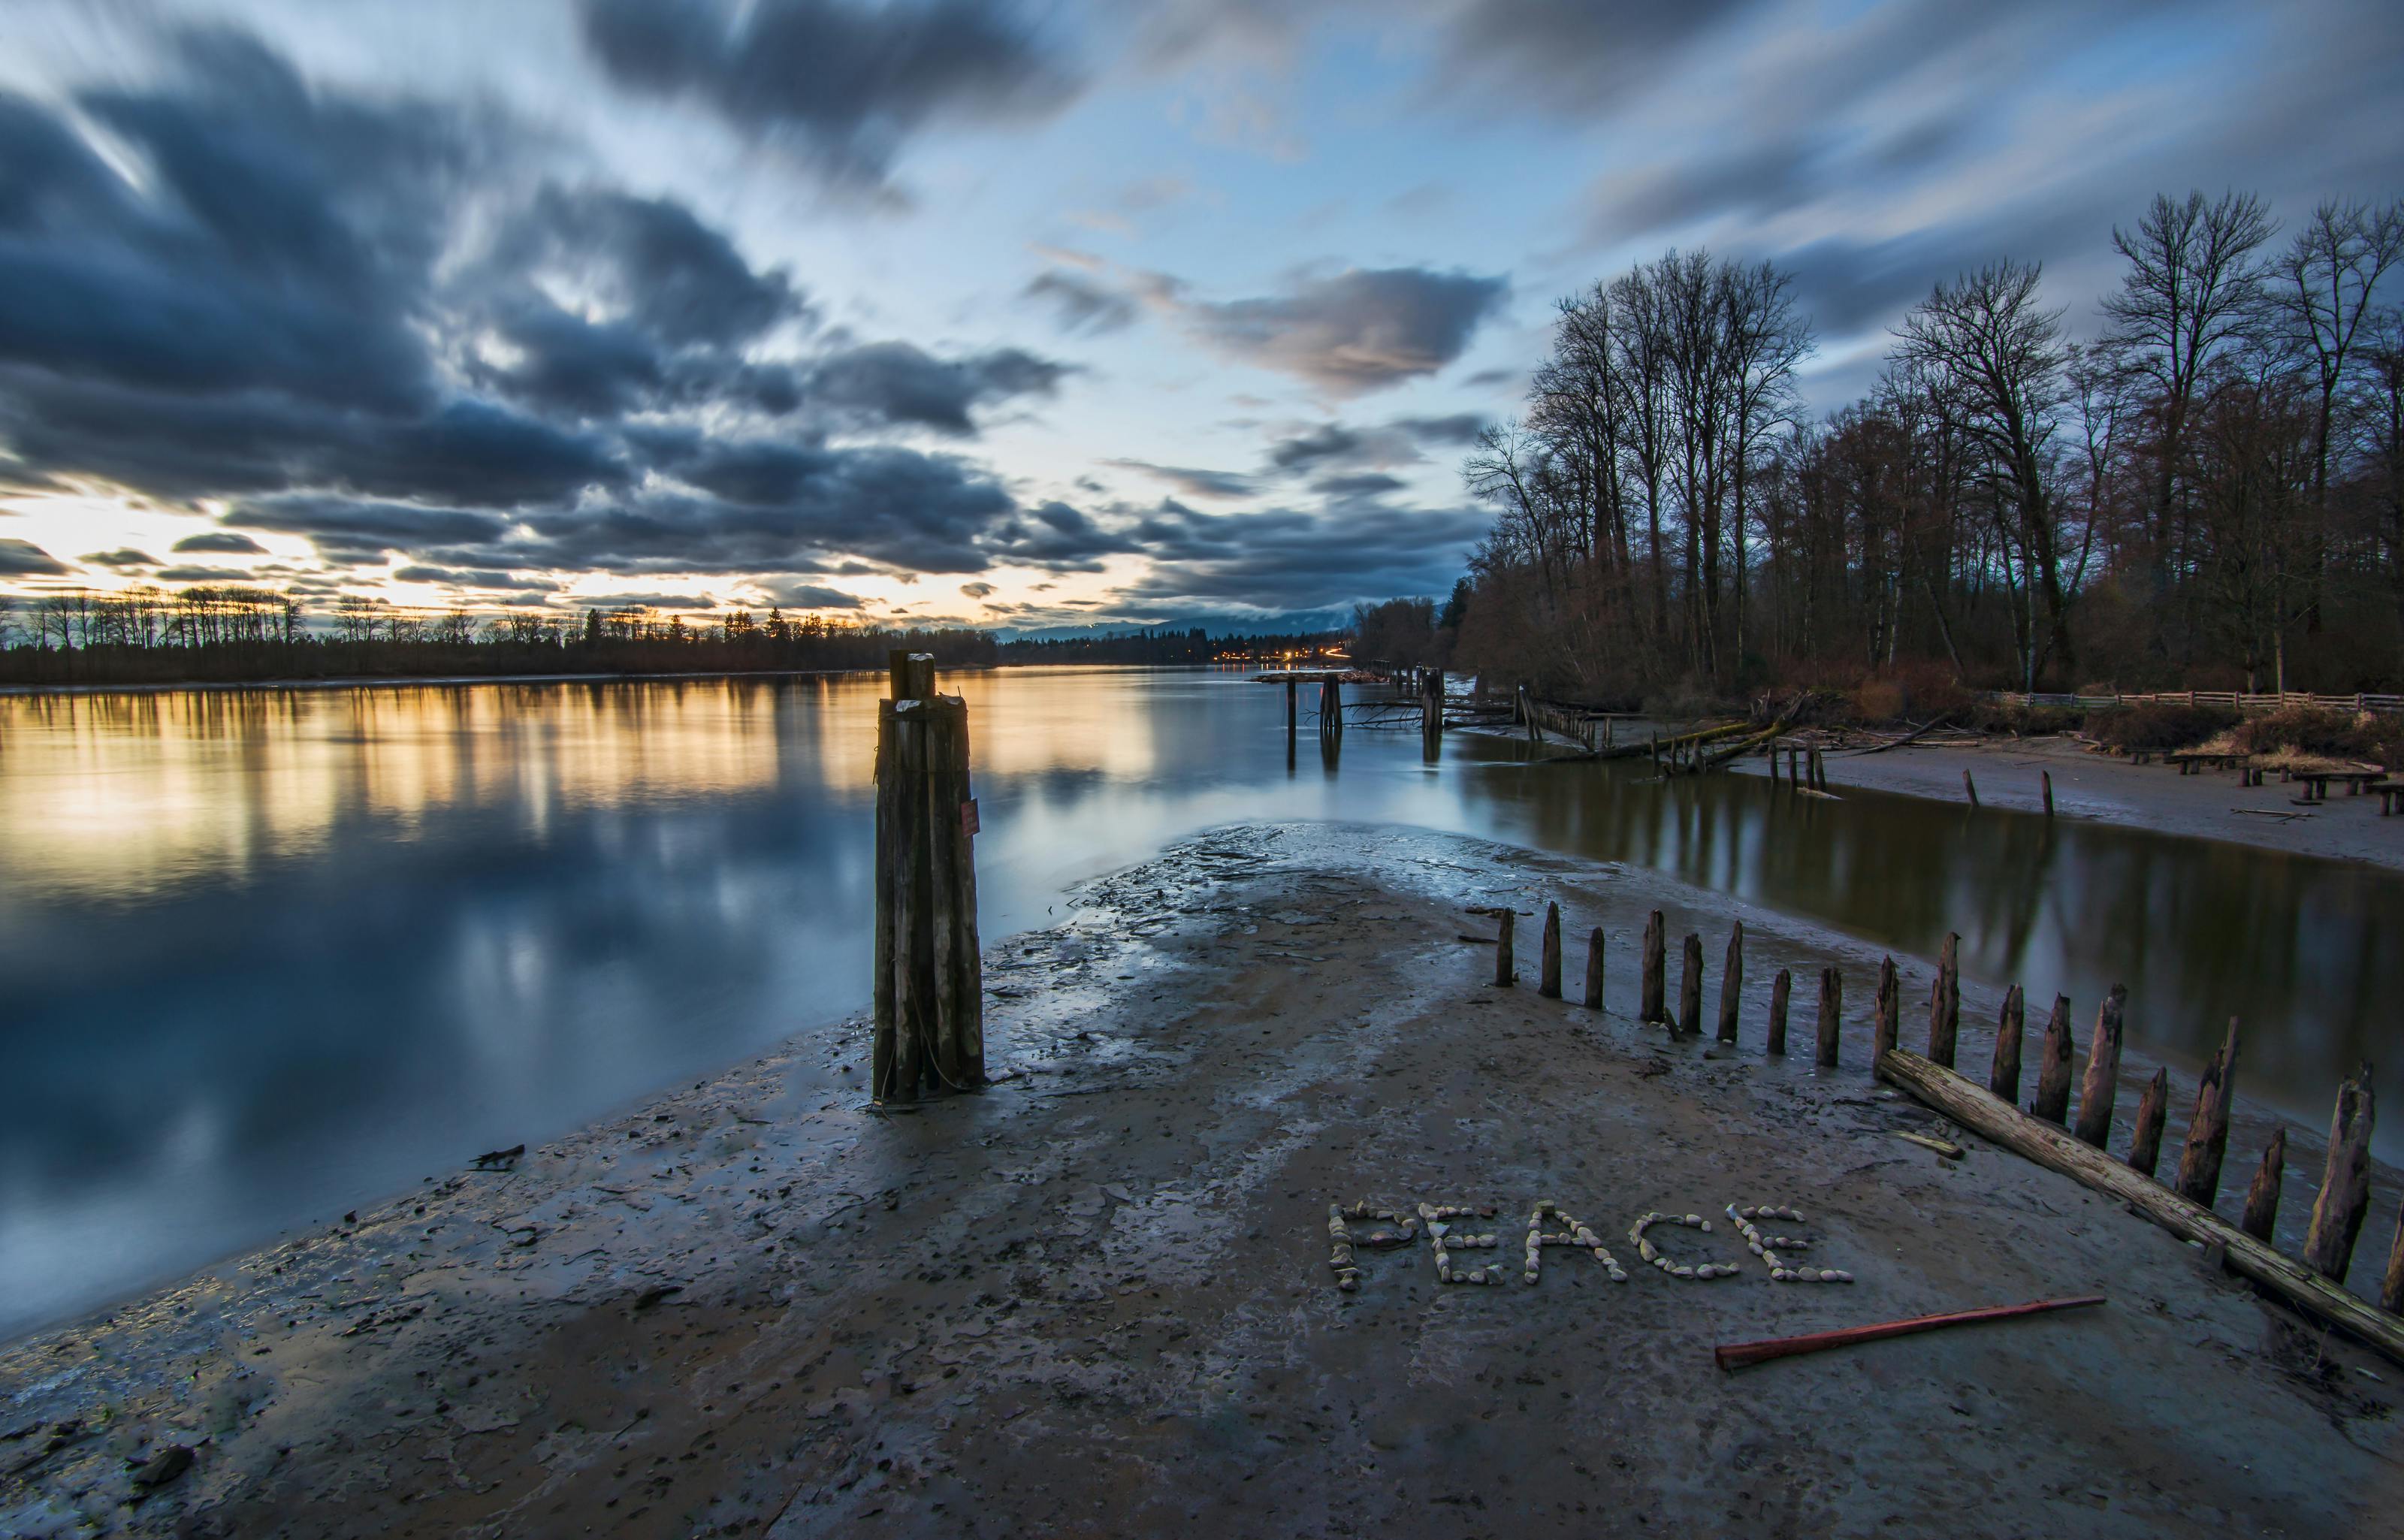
[(2207, 491), (221, 634)]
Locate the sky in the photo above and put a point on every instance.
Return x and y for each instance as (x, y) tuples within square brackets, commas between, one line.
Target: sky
[(1004, 314)]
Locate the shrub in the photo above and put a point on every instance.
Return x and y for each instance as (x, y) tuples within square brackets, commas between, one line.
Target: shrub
[(2159, 726), (2330, 735)]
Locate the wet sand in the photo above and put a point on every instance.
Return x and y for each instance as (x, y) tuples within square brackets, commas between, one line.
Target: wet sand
[(2111, 789), (1095, 1299)]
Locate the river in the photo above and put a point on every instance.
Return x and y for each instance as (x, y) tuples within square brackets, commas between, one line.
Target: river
[(267, 954)]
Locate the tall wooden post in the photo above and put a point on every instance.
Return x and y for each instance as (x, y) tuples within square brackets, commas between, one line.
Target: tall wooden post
[(2003, 1079), (1690, 984), (2207, 1132), (2101, 1083), (2052, 1101), (1506, 972), (1655, 969), (1331, 707), (1594, 969), (1548, 981), (1944, 1002), (1888, 1017), (1731, 982), (2262, 1198), (930, 985), (1832, 1004), (1431, 713), (1291, 689), (1779, 989), (2345, 1181), (2146, 1145), (2047, 776)]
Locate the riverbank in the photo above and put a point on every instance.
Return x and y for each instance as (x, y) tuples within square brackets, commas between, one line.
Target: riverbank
[(1095, 1299), (2111, 789)]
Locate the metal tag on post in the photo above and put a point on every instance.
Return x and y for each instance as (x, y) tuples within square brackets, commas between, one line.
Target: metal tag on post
[(969, 817)]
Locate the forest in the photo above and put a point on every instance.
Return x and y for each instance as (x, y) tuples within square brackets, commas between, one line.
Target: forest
[(224, 635), (2198, 485)]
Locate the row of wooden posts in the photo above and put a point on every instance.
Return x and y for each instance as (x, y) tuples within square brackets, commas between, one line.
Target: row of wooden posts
[(2337, 1212)]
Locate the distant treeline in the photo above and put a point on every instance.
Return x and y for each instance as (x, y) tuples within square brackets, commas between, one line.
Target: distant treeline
[(1170, 647), (217, 635)]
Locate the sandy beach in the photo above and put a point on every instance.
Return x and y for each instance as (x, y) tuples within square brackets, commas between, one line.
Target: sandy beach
[(2087, 785), (1095, 1299)]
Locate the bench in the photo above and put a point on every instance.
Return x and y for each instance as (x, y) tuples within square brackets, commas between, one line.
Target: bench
[(2191, 760), (2316, 782)]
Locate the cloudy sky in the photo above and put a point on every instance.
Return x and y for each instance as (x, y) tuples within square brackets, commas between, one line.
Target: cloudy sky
[(1011, 314)]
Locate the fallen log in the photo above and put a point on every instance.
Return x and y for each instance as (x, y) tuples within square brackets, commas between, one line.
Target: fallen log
[(1912, 737), (1632, 751), (1736, 1355), (2300, 1287)]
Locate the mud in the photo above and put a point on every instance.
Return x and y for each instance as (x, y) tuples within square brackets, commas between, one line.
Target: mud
[(1095, 1299)]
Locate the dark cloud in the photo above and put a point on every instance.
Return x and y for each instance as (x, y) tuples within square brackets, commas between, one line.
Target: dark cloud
[(975, 590), (895, 383), (1402, 441), (469, 578), (24, 559), (640, 601), (1371, 483), (1287, 559), (345, 525), (1568, 56), (1081, 303), (845, 84), (224, 542), (1359, 332), (204, 574), (804, 596), (1191, 481), (124, 557)]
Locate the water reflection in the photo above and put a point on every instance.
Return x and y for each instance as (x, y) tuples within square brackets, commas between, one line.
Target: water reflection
[(265, 955)]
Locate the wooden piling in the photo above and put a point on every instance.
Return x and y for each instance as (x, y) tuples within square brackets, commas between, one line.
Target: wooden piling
[(2262, 1198), (2345, 1181), (929, 994), (2046, 777), (1779, 989), (2146, 1145), (2004, 1080), (1888, 1011), (1655, 977), (1969, 786), (1731, 981), (2052, 1101), (1794, 768), (1690, 985), (1594, 969), (1548, 978), (1505, 972), (1832, 1001), (2207, 1132), (2101, 1083), (1291, 689), (1944, 1002), (1331, 707), (2391, 1286)]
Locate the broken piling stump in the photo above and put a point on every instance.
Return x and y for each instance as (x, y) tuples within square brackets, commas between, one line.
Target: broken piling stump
[(1780, 987), (2052, 1101), (1505, 972), (2207, 1132), (1731, 981), (2345, 1181), (1944, 1002), (2003, 1079), (1655, 969), (1548, 978), (1690, 985), (2262, 1198), (2146, 1145), (1594, 969), (1832, 1001), (1887, 1012), (2103, 1080)]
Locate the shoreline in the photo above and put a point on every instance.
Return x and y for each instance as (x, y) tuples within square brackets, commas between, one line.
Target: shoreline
[(1096, 1297)]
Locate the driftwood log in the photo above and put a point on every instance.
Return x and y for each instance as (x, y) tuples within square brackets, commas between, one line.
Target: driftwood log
[(2301, 1286)]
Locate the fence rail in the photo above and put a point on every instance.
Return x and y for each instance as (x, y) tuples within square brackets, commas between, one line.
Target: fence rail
[(2232, 699)]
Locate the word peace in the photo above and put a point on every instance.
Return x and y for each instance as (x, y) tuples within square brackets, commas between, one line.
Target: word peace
[(1437, 1219)]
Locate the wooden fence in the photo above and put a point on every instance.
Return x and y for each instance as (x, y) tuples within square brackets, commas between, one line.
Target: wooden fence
[(2232, 700)]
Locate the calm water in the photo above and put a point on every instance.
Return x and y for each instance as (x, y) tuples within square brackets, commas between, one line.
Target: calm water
[(267, 954)]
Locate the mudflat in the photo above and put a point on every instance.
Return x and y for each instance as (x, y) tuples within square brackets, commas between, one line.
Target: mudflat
[(1096, 1299)]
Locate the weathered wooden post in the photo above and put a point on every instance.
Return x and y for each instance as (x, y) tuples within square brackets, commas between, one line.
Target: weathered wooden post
[(1690, 985), (1331, 707), (1779, 989), (1656, 751), (1770, 752), (1832, 1001), (2052, 1101), (1594, 969), (2103, 1080), (1431, 713), (2046, 777), (2146, 1145), (1794, 768), (1887, 1012), (2207, 1132), (1969, 786), (1506, 972), (1292, 689), (1655, 977), (2262, 1198), (2391, 1286), (2345, 1181), (2003, 1079), (1548, 981), (1944, 1002), (1731, 982), (930, 987)]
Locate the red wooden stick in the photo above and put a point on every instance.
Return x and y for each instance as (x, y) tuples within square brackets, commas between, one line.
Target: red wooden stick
[(1736, 1355)]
